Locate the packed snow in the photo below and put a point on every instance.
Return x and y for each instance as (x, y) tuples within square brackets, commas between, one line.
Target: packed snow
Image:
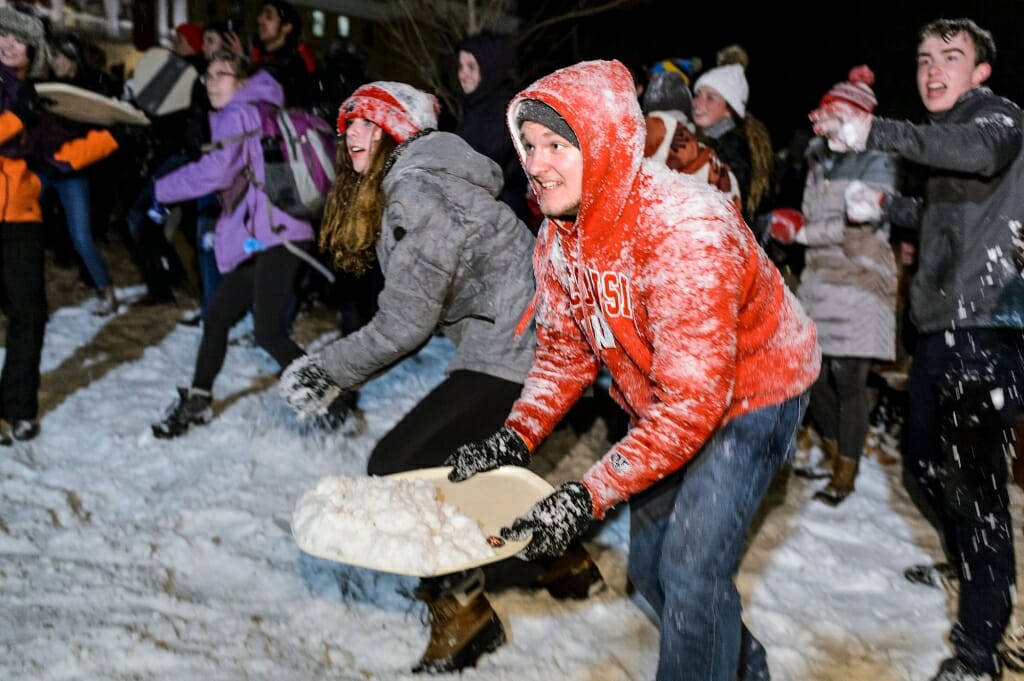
[(127, 557)]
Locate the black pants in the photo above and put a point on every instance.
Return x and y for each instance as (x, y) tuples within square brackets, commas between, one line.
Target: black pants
[(265, 283), (839, 403), (24, 300), (465, 407), (964, 390)]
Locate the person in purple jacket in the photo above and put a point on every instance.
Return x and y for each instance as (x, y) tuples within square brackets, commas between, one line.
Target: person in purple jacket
[(259, 248)]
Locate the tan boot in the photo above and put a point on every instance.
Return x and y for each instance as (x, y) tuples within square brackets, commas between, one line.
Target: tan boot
[(573, 575), (841, 484), (805, 440), (822, 469), (463, 626), (873, 447)]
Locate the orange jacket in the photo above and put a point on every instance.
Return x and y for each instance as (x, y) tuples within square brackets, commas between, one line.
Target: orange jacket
[(20, 187), (660, 280)]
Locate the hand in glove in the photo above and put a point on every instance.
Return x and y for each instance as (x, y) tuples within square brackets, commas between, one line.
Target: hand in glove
[(307, 388), (786, 225), (864, 203), (504, 448), (554, 522), (845, 126)]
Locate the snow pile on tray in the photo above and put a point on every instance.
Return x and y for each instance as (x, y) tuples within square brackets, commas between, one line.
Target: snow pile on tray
[(387, 524)]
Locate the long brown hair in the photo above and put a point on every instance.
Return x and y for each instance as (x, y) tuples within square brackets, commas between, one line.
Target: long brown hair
[(354, 209)]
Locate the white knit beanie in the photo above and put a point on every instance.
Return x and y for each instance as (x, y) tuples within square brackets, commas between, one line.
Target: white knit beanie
[(730, 82)]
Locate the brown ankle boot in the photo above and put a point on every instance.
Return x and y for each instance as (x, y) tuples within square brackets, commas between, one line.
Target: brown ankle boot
[(573, 574), (841, 484), (822, 469), (463, 626)]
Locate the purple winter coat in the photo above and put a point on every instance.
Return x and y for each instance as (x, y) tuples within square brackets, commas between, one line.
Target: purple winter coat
[(219, 169)]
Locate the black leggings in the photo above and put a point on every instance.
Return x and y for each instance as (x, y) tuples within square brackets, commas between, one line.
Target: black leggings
[(839, 403), (465, 407), (266, 284)]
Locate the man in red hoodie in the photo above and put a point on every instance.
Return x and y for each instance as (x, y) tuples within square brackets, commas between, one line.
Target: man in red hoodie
[(657, 278)]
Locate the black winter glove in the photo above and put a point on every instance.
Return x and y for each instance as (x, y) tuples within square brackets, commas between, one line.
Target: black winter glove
[(554, 521), (307, 388), (504, 448), (130, 137), (27, 105)]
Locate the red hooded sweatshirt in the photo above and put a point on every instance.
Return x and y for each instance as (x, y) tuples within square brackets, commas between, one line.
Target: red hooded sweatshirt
[(659, 279)]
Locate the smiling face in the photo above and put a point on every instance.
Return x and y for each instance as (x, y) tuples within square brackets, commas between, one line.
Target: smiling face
[(361, 139), (469, 72), (14, 54), (555, 168), (709, 107), (947, 69)]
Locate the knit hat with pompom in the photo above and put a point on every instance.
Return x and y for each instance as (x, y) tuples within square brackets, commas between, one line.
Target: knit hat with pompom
[(856, 91), (400, 109)]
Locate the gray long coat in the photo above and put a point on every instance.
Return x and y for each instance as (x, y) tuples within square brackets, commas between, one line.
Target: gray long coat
[(848, 285), (455, 259)]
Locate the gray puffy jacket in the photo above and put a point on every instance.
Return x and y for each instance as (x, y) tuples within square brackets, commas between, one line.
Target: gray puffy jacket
[(455, 259)]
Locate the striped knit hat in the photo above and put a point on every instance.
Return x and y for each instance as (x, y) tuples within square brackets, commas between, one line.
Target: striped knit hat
[(400, 109), (856, 91)]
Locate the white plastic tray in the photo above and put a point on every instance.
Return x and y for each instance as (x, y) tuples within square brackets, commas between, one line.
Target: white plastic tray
[(494, 498)]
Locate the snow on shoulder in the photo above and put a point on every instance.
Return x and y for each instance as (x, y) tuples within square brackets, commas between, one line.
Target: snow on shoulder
[(388, 524)]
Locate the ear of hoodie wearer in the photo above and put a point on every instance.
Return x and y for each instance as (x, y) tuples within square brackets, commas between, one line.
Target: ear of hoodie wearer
[(597, 99)]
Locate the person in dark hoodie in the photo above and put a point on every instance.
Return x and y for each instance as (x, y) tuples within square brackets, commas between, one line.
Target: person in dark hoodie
[(487, 63)]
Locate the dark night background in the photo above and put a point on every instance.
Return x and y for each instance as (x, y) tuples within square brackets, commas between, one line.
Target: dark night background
[(798, 53)]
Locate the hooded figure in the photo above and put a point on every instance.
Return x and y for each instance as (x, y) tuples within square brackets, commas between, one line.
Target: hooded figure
[(481, 113), (456, 262), (656, 277)]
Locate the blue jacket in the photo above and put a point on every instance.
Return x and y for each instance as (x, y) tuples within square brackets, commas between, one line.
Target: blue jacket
[(221, 171)]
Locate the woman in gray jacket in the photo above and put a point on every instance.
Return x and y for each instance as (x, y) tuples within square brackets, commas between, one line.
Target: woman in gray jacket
[(457, 261)]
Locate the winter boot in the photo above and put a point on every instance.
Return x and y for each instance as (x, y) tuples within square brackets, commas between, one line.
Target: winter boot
[(839, 487), (463, 626), (194, 407), (572, 575), (1011, 648), (938, 575), (24, 429), (5, 434), (805, 439), (824, 467), (107, 304), (952, 669)]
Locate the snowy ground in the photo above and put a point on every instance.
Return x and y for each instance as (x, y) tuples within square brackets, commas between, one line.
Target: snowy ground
[(127, 557)]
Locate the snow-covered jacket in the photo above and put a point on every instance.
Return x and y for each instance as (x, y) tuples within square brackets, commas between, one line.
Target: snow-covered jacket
[(455, 259), (848, 284), (221, 170), (660, 280), (969, 253)]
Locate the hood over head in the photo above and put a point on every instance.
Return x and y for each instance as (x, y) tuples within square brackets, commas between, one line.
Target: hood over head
[(496, 57), (597, 99)]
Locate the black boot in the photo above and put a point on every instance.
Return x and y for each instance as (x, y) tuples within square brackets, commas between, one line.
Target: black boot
[(194, 407), (463, 626)]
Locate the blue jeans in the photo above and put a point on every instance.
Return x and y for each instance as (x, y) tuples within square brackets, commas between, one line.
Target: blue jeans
[(207, 212), (684, 561), (73, 191)]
